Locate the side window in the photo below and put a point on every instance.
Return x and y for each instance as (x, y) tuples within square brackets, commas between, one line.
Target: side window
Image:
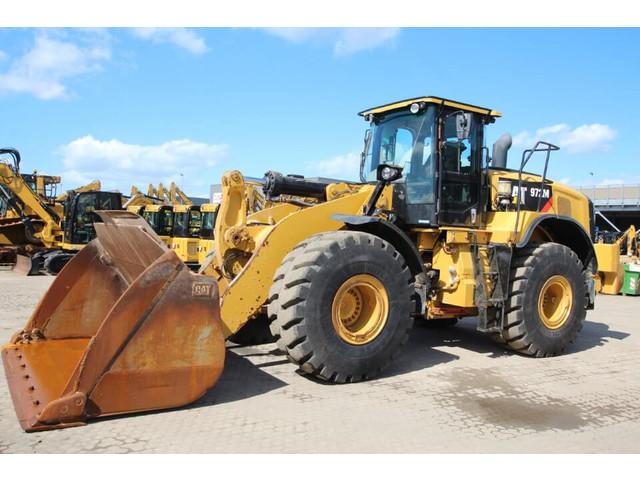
[(461, 162), (457, 154), (396, 146)]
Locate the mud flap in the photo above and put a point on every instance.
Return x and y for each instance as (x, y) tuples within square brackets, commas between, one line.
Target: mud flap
[(125, 327)]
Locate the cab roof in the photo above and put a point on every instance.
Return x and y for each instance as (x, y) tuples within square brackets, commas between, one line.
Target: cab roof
[(430, 99)]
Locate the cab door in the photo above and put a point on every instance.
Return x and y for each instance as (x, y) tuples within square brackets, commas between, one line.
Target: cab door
[(460, 158)]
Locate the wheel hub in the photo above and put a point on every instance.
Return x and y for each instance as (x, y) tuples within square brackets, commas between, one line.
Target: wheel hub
[(360, 309), (555, 302)]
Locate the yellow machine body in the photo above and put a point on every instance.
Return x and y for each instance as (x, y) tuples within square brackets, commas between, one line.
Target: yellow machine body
[(265, 237), (271, 253)]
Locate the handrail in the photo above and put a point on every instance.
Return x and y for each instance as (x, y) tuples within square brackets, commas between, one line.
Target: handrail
[(526, 156)]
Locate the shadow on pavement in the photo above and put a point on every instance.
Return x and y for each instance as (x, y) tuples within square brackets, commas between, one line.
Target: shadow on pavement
[(595, 334), (241, 379), (465, 335)]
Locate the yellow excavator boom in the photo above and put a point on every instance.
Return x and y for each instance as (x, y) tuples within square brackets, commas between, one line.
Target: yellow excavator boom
[(94, 186)]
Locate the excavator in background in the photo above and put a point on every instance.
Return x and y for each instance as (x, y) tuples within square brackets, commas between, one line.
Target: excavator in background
[(43, 235), (338, 272), (612, 257), (172, 196)]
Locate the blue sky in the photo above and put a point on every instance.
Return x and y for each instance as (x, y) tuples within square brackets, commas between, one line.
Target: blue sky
[(133, 106)]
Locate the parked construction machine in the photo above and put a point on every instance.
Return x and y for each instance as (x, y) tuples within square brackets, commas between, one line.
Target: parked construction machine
[(610, 273), (338, 271), (43, 233)]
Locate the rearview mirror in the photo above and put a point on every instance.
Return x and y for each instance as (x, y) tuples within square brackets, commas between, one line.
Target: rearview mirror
[(463, 125), (363, 155)]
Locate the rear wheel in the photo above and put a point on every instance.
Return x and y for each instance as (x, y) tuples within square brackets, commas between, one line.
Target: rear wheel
[(340, 305), (547, 300)]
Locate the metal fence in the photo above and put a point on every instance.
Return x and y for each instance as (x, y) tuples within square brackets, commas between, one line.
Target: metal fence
[(614, 195)]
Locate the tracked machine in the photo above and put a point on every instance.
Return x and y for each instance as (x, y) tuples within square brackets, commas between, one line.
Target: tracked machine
[(337, 271)]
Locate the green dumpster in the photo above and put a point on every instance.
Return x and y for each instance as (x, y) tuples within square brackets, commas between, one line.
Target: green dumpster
[(631, 284)]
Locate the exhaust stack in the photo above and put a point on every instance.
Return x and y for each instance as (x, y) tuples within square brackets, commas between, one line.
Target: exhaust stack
[(500, 151)]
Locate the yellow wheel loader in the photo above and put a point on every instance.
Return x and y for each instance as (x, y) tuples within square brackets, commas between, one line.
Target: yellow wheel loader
[(338, 271)]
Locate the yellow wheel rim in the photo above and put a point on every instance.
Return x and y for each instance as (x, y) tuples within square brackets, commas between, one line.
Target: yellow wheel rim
[(360, 309), (555, 302)]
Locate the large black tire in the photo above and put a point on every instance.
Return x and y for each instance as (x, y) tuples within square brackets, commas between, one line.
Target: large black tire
[(531, 269), (255, 332), (302, 295), (54, 262)]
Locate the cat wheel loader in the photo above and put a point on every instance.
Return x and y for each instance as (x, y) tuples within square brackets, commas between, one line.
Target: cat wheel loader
[(337, 271)]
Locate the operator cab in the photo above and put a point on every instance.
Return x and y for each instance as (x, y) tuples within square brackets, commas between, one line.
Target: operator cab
[(187, 221), (439, 144), (209, 212), (160, 219), (80, 214)]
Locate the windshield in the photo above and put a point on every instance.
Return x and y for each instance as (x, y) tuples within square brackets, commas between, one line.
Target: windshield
[(208, 223), (407, 140), (161, 222)]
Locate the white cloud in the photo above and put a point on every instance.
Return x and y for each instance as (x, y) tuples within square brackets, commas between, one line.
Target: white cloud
[(181, 37), (594, 137), (118, 165), (345, 41), (345, 167), (3, 55), (44, 69)]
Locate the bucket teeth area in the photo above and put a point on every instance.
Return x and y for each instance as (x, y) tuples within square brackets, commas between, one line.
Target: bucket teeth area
[(125, 327)]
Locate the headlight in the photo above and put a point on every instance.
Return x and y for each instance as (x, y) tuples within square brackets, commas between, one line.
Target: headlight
[(504, 188), (414, 108), (389, 173)]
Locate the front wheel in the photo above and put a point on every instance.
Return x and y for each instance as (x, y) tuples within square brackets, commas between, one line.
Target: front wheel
[(547, 302), (340, 306)]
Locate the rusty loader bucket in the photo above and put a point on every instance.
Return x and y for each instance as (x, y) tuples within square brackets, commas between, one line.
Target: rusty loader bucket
[(125, 327)]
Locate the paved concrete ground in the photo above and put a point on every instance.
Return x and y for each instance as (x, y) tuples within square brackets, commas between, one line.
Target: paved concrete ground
[(454, 390)]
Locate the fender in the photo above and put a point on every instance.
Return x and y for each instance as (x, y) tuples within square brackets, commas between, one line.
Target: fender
[(566, 231), (389, 232)]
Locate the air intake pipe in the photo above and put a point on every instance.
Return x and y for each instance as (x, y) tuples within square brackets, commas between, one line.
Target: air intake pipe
[(276, 184), (500, 151)]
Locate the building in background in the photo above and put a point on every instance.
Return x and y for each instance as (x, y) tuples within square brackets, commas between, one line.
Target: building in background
[(618, 203), (215, 193)]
